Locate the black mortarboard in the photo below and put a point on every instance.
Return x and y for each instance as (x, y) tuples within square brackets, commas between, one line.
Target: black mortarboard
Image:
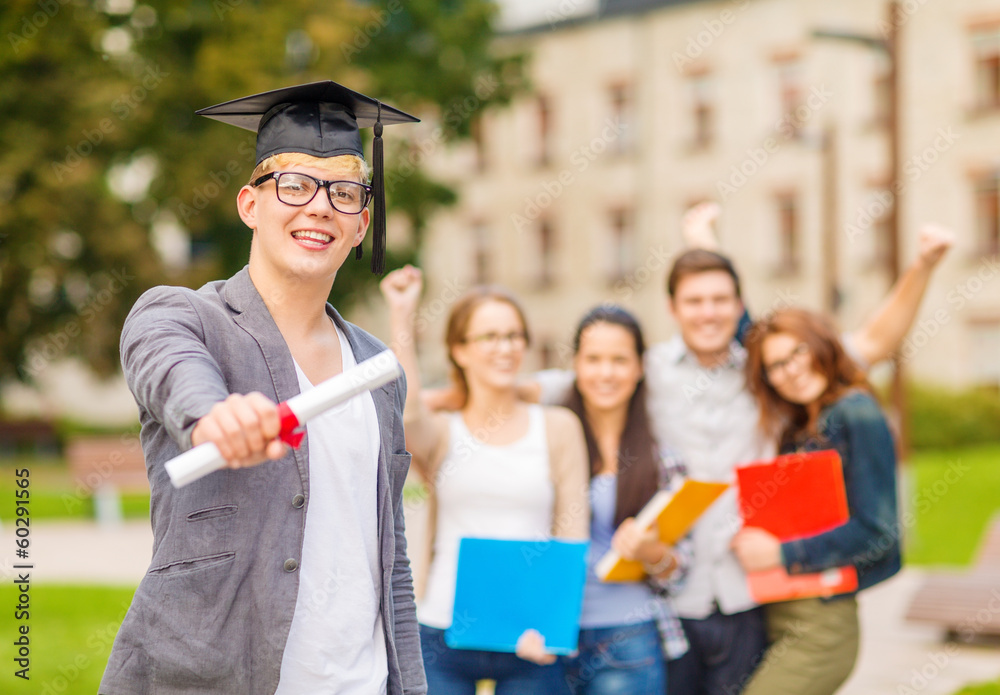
[(321, 119)]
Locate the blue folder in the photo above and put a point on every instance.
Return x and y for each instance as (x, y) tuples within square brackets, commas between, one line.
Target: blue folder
[(506, 587)]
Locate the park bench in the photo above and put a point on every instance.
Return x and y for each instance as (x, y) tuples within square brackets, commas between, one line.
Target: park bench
[(31, 436), (104, 467), (966, 604)]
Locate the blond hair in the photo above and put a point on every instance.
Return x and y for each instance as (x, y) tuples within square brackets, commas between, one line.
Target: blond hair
[(355, 165)]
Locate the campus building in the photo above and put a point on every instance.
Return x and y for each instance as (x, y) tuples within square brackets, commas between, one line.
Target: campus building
[(573, 195)]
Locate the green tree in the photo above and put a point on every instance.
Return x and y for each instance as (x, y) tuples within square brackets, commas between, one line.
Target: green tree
[(104, 160)]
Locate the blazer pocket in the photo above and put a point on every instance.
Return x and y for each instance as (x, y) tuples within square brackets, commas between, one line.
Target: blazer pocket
[(213, 512), (194, 564)]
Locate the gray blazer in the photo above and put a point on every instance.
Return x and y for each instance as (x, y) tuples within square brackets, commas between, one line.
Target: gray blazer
[(213, 612)]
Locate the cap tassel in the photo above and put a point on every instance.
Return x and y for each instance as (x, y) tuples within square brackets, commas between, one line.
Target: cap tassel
[(359, 252), (378, 184)]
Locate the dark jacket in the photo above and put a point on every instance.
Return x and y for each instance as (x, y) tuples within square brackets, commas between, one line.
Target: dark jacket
[(855, 426), (213, 612)]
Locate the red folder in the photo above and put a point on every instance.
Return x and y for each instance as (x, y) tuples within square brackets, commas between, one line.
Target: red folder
[(795, 496)]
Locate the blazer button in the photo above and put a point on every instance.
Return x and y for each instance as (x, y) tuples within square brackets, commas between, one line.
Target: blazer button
[(299, 501), (291, 565)]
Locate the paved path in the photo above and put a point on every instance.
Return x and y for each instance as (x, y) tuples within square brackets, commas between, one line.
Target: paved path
[(897, 658)]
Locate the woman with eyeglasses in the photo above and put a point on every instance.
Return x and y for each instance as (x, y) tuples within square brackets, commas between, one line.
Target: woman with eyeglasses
[(626, 629), (812, 396), (497, 468)]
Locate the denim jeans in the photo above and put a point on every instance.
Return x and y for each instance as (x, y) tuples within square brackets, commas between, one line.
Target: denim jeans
[(455, 671), (622, 660), (725, 650)]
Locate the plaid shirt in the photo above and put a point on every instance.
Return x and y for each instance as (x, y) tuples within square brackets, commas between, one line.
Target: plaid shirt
[(672, 469), (661, 608)]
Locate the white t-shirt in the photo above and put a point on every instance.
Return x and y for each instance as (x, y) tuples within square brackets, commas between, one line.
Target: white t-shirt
[(485, 491), (336, 642)]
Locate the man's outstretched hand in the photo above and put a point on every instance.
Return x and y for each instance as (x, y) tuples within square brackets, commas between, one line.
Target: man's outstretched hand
[(244, 428)]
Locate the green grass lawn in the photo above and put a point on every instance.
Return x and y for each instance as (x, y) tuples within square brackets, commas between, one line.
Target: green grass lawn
[(952, 494), (71, 629), (981, 689)]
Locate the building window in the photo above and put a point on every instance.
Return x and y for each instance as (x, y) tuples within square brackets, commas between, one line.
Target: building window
[(788, 233), (543, 113), (987, 194), (882, 231), (882, 91), (702, 111), (481, 253), (546, 254), (791, 97), (622, 115), (873, 227), (986, 45), (619, 258), (985, 346)]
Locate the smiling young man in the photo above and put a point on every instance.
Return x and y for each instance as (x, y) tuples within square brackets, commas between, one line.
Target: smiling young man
[(700, 406), (286, 575)]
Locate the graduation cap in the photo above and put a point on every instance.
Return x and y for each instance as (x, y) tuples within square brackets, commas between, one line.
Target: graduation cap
[(321, 119)]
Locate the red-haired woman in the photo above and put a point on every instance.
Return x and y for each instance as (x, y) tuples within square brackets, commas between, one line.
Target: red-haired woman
[(812, 396), (497, 468)]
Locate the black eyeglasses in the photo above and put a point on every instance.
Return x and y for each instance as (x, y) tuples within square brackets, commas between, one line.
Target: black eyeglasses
[(492, 340), (292, 188), (779, 368)]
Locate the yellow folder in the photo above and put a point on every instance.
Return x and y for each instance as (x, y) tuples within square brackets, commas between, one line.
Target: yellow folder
[(674, 511)]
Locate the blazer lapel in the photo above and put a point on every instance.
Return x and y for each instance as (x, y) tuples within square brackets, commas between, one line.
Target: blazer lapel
[(253, 316)]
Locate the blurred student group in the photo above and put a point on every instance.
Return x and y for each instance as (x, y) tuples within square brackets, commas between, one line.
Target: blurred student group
[(831, 140), (801, 532)]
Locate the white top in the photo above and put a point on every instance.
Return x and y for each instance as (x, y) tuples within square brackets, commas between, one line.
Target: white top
[(485, 491), (336, 642), (709, 417)]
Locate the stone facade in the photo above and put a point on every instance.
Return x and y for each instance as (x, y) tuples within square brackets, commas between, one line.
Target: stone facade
[(573, 195)]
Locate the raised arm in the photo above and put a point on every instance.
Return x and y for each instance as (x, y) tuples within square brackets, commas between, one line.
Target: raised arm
[(882, 334), (424, 430)]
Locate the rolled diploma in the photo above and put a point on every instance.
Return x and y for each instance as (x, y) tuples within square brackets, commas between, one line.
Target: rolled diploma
[(296, 411)]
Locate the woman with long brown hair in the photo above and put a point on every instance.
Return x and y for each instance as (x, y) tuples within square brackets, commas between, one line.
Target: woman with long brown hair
[(626, 629), (497, 468), (812, 396)]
